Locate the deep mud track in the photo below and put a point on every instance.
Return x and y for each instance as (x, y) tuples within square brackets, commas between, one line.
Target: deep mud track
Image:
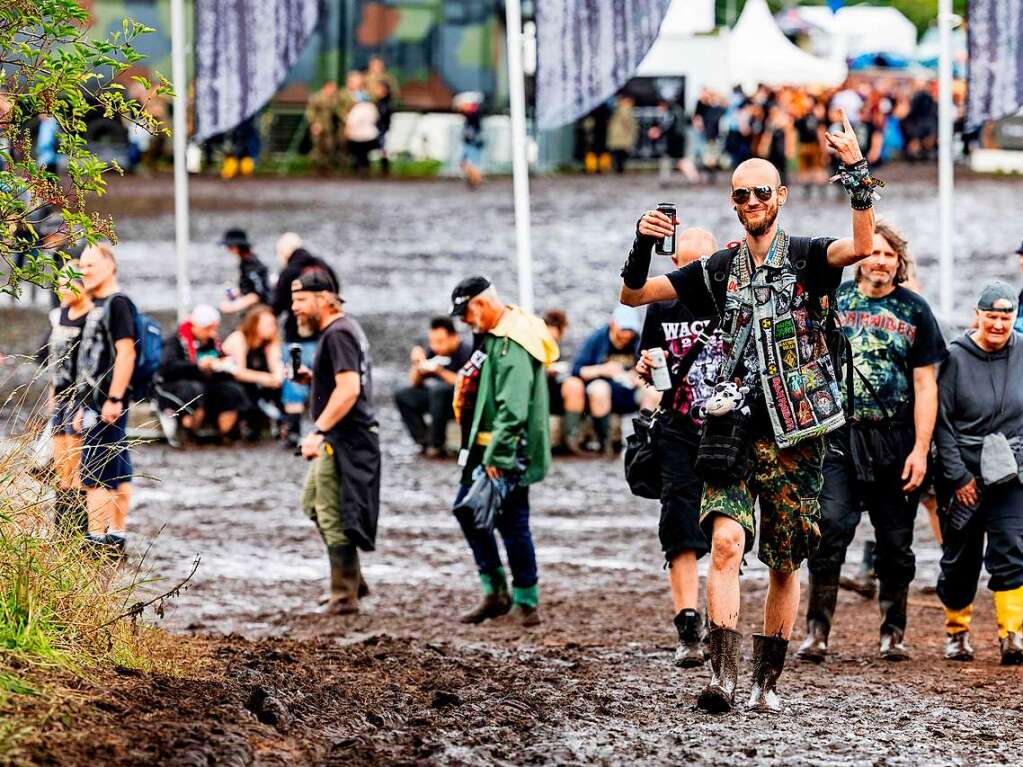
[(271, 682)]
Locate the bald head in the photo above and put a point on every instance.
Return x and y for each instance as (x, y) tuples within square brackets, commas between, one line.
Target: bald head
[(755, 172), (693, 243), (287, 244)]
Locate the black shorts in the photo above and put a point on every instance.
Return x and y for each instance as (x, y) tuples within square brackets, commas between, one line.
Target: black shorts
[(679, 529), (214, 397)]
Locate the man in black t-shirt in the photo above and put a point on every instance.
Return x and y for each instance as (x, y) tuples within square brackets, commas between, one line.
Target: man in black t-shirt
[(342, 488), (253, 277), (296, 261), (106, 362), (779, 398), (431, 388), (692, 353), (879, 461)]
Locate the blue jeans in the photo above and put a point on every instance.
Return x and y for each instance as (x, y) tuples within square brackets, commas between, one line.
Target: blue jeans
[(513, 524), (291, 392)]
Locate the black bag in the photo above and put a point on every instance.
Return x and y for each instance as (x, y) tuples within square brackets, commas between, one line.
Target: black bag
[(723, 456), (483, 502), (642, 469)]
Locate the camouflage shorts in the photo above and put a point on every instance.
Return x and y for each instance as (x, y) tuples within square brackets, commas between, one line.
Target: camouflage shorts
[(787, 483)]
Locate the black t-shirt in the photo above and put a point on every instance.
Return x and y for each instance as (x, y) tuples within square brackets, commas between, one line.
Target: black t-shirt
[(456, 360), (806, 129), (343, 347), (692, 352), (254, 278), (62, 349), (104, 327)]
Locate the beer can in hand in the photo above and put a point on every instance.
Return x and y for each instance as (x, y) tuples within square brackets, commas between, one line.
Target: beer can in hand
[(659, 369), (295, 357), (666, 245)]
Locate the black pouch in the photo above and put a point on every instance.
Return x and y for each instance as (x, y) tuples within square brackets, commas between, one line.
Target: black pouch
[(642, 469), (723, 457), (879, 449)]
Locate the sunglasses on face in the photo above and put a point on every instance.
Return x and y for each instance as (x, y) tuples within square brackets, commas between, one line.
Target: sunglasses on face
[(742, 195)]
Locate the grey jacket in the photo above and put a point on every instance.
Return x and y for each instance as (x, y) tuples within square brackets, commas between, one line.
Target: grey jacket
[(980, 393)]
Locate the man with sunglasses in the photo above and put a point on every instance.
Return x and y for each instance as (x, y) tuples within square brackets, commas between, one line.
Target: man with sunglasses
[(771, 292)]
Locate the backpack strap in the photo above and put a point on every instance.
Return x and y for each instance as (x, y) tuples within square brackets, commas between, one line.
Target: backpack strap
[(716, 268)]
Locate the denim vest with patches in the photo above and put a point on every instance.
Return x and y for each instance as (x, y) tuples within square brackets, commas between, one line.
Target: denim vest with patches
[(795, 371)]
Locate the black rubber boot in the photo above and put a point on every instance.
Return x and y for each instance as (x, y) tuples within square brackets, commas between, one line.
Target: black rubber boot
[(1012, 649), (689, 653), (718, 697), (864, 582), (345, 577), (892, 602), (292, 430), (768, 662), (820, 610)]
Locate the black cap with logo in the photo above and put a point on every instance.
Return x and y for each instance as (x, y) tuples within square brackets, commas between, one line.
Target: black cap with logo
[(465, 291)]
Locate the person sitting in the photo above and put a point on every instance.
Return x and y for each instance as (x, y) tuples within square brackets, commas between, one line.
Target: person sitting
[(602, 380), (557, 372), (196, 380), (255, 350), (432, 385)]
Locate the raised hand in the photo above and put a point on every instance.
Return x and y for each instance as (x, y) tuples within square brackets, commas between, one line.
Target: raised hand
[(844, 143)]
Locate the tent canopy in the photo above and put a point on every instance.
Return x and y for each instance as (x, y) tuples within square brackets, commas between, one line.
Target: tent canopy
[(859, 29), (758, 52)]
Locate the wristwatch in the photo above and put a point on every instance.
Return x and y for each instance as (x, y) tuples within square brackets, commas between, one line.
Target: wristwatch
[(118, 400)]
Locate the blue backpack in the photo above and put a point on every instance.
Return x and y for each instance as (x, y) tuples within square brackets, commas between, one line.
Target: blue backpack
[(148, 351)]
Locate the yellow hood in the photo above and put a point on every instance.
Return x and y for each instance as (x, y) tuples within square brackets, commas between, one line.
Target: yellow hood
[(529, 332)]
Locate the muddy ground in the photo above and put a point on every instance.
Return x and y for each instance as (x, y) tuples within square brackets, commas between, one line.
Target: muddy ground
[(270, 681)]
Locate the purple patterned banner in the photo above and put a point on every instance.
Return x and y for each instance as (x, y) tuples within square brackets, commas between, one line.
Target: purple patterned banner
[(587, 50), (243, 51), (995, 32)]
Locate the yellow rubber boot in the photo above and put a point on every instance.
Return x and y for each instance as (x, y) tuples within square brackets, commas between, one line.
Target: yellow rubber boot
[(958, 621), (605, 162), (590, 162), (1009, 611), (247, 166), (230, 167)]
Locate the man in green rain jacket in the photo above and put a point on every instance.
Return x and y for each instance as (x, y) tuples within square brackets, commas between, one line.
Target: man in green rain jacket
[(501, 404)]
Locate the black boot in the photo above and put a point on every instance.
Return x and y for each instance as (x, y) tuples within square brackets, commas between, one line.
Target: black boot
[(292, 423), (864, 582), (820, 609), (1012, 649), (70, 512), (689, 653), (768, 662), (345, 577), (718, 696), (892, 602)]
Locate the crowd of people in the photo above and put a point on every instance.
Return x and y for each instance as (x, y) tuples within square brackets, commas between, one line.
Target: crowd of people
[(793, 402), (893, 119)]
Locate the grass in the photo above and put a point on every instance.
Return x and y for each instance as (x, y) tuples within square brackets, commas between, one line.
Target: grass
[(63, 610)]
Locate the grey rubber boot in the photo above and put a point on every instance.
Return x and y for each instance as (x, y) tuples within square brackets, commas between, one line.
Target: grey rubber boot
[(820, 610), (768, 662), (345, 577), (718, 697)]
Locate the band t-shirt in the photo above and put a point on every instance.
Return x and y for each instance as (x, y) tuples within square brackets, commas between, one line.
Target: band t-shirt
[(598, 350), (254, 278), (693, 353), (342, 348), (890, 336), (62, 349)]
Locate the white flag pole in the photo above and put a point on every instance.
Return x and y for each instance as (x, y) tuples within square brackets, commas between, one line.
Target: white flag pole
[(179, 74), (946, 258), (520, 163)]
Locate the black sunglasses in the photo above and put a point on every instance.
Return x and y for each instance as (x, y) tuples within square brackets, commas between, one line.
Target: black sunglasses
[(741, 195)]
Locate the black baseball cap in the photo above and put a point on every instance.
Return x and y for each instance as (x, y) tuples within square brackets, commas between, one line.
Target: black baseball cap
[(236, 238), (997, 296), (465, 291), (315, 281)]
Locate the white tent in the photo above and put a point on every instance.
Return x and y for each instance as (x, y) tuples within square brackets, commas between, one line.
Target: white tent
[(857, 29), (674, 51), (758, 52)]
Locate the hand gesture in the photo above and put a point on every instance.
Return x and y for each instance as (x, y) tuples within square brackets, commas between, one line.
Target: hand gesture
[(656, 224), (311, 445), (303, 376), (111, 411), (844, 143)]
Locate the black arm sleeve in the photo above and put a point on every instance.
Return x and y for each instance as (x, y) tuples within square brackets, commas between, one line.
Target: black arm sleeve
[(637, 265)]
